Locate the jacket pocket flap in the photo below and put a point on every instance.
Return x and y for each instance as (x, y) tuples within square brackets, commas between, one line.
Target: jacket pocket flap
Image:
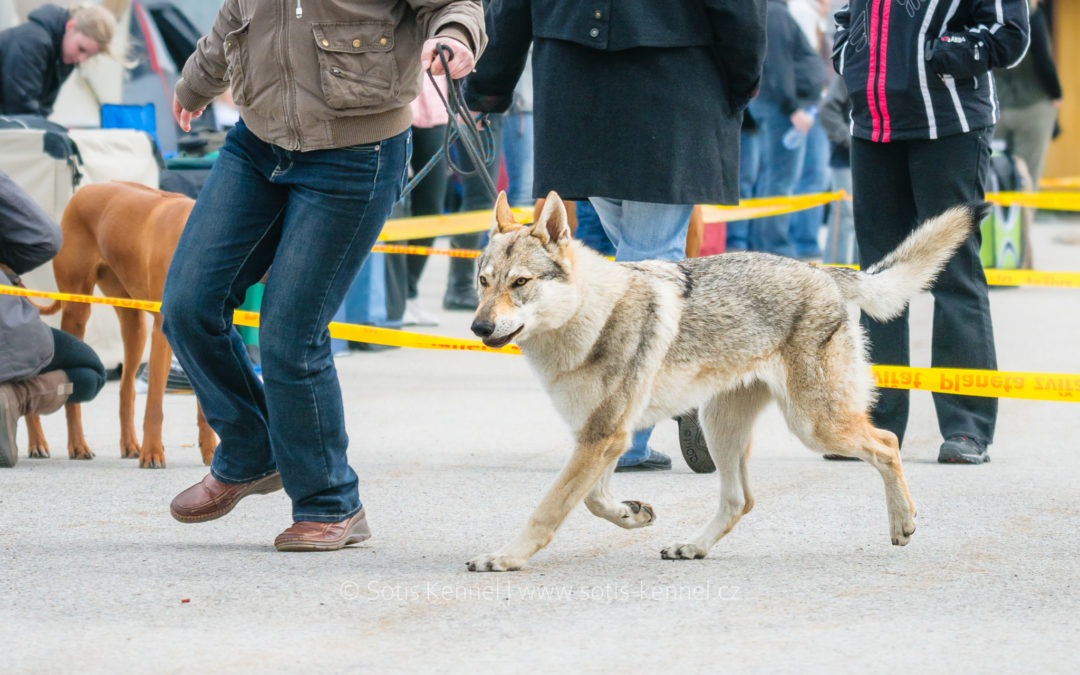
[(354, 37)]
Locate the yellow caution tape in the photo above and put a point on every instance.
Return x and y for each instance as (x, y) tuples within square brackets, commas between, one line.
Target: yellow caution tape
[(422, 227), (425, 250), (998, 277), (1072, 182), (991, 383), (1049, 201)]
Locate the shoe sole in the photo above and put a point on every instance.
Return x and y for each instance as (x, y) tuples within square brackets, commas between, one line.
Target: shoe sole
[(263, 486), (645, 466), (963, 459), (692, 444), (312, 547)]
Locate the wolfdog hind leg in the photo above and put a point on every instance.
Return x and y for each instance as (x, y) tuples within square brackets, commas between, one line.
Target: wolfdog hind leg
[(852, 435), (727, 420), (575, 480)]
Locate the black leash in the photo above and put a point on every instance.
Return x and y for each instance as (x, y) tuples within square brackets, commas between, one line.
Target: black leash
[(473, 134)]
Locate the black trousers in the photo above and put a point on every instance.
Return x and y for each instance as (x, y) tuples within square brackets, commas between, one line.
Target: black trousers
[(80, 363), (896, 186), (428, 196)]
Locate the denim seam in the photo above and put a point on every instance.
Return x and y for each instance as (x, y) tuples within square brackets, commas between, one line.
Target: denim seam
[(226, 479), (310, 517), (322, 304)]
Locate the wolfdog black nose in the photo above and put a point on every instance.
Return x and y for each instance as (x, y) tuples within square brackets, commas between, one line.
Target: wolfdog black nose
[(483, 329)]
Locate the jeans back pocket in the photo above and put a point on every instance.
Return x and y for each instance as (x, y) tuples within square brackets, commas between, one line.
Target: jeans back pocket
[(356, 63)]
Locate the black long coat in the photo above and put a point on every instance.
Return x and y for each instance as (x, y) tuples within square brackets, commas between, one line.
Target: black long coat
[(633, 99), (31, 63)]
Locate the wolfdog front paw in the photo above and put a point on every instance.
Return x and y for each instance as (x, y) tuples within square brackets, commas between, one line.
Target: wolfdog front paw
[(493, 562), (636, 514), (683, 552)]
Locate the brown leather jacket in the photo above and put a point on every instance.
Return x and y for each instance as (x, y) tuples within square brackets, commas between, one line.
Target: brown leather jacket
[(324, 75)]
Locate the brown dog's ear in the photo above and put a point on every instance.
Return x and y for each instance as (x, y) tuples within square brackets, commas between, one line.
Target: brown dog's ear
[(552, 225), (504, 217)]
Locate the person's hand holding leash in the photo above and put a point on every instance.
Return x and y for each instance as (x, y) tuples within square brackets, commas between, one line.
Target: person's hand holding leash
[(460, 61)]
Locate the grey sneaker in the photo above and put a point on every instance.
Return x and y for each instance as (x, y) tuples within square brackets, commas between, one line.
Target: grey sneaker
[(962, 450)]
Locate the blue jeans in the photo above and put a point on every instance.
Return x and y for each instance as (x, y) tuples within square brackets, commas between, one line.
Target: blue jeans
[(310, 219), (805, 225), (840, 239), (590, 231), (779, 172), (737, 237), (643, 231), (517, 137)]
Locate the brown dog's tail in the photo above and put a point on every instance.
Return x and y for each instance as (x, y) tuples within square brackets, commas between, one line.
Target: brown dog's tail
[(47, 310), (884, 289)]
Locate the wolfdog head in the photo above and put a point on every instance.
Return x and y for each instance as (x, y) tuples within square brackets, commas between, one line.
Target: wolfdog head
[(526, 275)]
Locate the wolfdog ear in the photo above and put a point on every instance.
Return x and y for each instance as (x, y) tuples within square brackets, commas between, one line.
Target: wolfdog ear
[(552, 225), (504, 217)]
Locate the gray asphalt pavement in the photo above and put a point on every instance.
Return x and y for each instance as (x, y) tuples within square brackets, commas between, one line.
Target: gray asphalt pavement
[(455, 449)]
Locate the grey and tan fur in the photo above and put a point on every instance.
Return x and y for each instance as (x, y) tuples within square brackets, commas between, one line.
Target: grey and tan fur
[(621, 346)]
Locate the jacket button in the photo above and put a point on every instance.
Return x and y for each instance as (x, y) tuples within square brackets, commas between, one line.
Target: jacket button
[(598, 14), (594, 32), (382, 41), (355, 43), (325, 43)]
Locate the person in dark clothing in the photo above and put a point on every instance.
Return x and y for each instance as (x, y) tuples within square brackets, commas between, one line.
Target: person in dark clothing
[(1030, 95), (923, 112), (791, 85), (41, 368), (36, 57), (835, 117), (637, 108)]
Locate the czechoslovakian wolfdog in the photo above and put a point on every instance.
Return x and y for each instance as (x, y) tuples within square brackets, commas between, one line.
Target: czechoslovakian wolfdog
[(620, 346)]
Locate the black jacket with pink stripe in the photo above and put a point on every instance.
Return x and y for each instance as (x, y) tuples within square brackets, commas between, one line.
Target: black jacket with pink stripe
[(920, 69)]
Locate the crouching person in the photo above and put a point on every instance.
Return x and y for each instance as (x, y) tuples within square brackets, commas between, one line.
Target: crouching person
[(41, 368)]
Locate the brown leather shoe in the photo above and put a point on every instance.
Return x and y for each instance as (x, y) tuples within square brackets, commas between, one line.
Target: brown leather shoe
[(311, 536), (210, 498)]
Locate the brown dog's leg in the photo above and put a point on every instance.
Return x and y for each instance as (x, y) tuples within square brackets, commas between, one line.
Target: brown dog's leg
[(133, 333), (152, 455), (73, 321), (38, 446), (208, 440)]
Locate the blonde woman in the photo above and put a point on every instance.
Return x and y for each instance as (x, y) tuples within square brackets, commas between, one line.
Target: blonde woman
[(36, 57)]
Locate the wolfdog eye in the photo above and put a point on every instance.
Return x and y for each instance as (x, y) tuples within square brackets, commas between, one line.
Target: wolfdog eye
[(483, 282), (520, 281)]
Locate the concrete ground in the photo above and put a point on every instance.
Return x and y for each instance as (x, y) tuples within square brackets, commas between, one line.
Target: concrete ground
[(455, 449)]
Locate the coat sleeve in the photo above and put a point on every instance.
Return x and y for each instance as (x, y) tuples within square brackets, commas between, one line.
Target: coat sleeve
[(1045, 69), (204, 74), (841, 37), (462, 20), (835, 114), (24, 78), (739, 27), (509, 30), (28, 236), (1004, 27)]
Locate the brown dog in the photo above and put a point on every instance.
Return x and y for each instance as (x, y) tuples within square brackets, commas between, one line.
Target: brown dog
[(121, 237)]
